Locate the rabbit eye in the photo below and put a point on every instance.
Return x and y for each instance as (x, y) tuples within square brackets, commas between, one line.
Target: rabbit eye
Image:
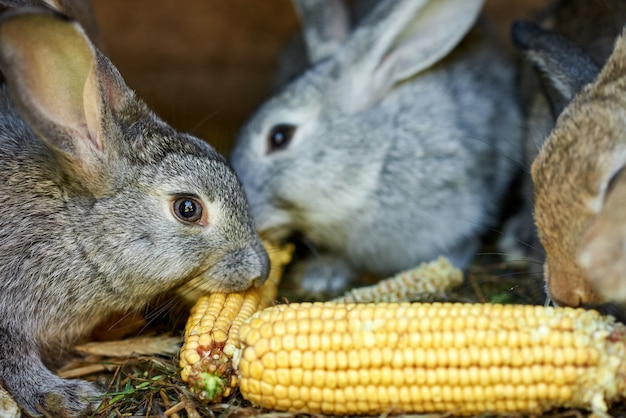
[(189, 210), (279, 137)]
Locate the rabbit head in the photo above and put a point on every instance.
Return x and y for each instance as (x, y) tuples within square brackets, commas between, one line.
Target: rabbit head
[(388, 150), (562, 54), (578, 191), (103, 206), (567, 52)]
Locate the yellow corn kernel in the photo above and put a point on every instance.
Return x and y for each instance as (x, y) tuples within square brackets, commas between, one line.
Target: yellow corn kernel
[(424, 281), (422, 358), (211, 333)]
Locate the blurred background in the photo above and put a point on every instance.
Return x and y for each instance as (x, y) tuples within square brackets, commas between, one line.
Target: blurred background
[(204, 65)]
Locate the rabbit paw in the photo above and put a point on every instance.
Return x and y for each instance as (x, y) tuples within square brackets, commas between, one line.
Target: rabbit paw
[(72, 398), (322, 276), (38, 391)]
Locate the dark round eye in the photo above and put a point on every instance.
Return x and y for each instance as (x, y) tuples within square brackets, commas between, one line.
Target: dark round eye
[(279, 137), (188, 210)]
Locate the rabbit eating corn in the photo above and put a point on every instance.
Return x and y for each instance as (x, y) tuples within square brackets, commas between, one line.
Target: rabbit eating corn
[(563, 52), (577, 186), (395, 146), (579, 192), (102, 207)]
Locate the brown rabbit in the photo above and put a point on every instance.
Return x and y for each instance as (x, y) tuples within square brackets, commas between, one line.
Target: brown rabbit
[(580, 192), (567, 51), (562, 54)]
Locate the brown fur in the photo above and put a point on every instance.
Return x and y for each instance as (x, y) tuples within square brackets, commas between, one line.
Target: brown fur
[(574, 206)]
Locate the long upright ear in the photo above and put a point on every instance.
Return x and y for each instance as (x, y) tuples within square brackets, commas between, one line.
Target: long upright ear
[(325, 25), (82, 12), (401, 38), (563, 67), (58, 83)]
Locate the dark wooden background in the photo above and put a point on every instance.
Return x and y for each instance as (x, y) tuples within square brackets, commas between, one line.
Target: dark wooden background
[(204, 65)]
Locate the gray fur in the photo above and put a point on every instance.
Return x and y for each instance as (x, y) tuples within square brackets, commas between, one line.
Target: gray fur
[(403, 149), (85, 225), (322, 37), (561, 63)]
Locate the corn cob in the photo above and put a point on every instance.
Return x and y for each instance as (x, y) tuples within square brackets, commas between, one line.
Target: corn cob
[(419, 358), (211, 332), (425, 281)]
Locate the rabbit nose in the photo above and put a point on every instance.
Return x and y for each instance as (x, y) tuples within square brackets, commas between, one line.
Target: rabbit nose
[(565, 300), (575, 293), (568, 286)]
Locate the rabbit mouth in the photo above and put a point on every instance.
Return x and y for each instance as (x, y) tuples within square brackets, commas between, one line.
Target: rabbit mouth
[(235, 272), (210, 282)]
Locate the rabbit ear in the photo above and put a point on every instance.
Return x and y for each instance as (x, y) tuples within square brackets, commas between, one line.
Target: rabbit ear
[(82, 12), (325, 25), (401, 38), (564, 68), (58, 83)]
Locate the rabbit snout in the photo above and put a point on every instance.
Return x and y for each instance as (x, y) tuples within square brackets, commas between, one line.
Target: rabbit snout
[(238, 269), (569, 288)]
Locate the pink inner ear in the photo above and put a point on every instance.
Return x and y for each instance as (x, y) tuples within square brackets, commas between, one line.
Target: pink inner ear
[(51, 69), (92, 102)]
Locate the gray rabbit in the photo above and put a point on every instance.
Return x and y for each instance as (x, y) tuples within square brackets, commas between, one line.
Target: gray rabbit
[(395, 145), (563, 55), (102, 207)]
